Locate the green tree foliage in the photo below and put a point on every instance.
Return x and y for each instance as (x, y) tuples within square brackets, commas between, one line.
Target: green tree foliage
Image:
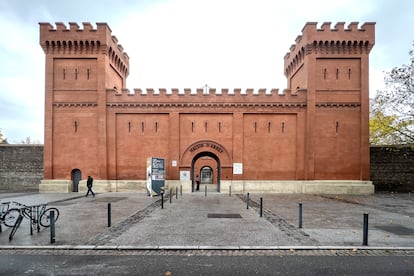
[(392, 110)]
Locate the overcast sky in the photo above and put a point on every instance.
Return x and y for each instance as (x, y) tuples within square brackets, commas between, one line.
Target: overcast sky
[(186, 44)]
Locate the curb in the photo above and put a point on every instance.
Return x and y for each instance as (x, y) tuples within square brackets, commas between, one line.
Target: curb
[(200, 247)]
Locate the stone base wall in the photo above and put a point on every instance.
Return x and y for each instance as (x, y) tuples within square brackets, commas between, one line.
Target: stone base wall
[(300, 187)]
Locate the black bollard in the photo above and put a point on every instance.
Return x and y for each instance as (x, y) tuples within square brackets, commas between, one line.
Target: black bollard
[(247, 201), (52, 226), (365, 230), (181, 190), (205, 190), (109, 214), (229, 190), (162, 200), (170, 196), (300, 215), (176, 192), (261, 207)]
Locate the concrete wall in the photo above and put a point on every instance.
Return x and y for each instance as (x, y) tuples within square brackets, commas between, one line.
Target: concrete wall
[(21, 167), (392, 168)]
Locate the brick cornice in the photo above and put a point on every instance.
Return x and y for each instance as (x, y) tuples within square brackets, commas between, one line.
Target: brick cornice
[(206, 105), (330, 105), (75, 104)]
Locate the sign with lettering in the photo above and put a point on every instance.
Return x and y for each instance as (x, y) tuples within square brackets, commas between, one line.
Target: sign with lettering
[(211, 145), (155, 175), (237, 168)]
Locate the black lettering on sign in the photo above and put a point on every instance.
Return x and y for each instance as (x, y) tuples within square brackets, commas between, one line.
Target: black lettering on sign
[(209, 145)]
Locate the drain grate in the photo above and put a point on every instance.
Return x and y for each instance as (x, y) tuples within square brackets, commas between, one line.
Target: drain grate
[(396, 229), (218, 215)]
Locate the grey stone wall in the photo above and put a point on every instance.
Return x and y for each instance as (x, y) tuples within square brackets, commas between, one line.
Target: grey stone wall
[(392, 168), (21, 167)]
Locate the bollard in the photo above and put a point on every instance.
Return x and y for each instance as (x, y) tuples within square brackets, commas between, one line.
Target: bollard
[(261, 207), (205, 190), (230, 190), (181, 190), (300, 215), (109, 214), (247, 201), (365, 230), (176, 192), (52, 226), (162, 200), (170, 196)]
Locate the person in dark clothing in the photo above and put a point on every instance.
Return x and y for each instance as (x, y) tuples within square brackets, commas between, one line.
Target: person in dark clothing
[(198, 183), (89, 184)]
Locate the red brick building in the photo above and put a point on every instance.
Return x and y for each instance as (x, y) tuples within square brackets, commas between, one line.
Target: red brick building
[(311, 137)]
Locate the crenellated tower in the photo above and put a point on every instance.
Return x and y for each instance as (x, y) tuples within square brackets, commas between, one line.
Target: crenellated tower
[(80, 65), (332, 64)]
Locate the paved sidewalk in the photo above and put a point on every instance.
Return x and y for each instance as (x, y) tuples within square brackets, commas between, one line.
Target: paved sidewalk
[(218, 220)]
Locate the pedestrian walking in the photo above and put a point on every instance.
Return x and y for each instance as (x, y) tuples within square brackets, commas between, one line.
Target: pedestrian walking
[(89, 184)]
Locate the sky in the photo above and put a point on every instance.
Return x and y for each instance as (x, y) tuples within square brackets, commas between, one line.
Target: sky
[(186, 44)]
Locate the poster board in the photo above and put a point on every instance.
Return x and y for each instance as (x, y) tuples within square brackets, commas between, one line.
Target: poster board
[(155, 175)]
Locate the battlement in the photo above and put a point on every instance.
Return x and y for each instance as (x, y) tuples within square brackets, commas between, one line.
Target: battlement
[(206, 94), (89, 40), (327, 40)]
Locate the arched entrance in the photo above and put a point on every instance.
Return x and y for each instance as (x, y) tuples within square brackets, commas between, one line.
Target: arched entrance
[(194, 173), (76, 177)]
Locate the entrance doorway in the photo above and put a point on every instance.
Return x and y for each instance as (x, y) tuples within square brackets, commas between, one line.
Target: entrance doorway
[(206, 175), (76, 177), (206, 172)]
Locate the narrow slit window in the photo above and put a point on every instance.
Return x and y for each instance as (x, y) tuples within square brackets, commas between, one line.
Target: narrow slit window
[(337, 73), (142, 126), (75, 125), (219, 126), (255, 126), (324, 73), (129, 126), (269, 124), (156, 126), (283, 127)]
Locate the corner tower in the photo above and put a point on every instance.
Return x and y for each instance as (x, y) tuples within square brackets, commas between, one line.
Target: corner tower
[(80, 65), (333, 65)]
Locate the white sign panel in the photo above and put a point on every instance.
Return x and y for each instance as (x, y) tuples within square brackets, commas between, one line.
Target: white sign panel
[(184, 175), (237, 168), (174, 163)]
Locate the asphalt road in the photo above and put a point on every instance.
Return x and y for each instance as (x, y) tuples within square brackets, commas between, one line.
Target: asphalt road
[(116, 264)]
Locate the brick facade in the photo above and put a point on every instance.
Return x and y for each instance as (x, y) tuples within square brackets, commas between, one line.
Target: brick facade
[(316, 129)]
